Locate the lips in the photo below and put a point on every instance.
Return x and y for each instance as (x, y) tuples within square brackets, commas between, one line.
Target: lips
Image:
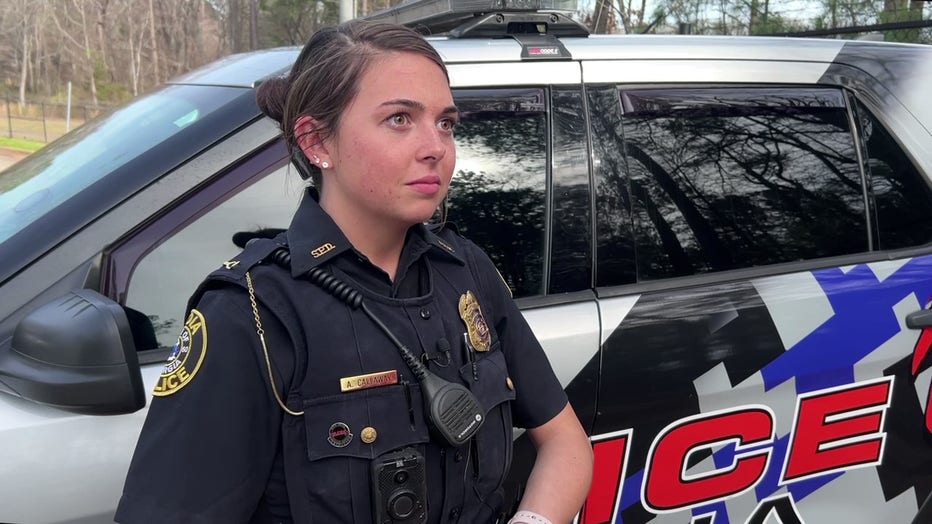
[(426, 180), (426, 185)]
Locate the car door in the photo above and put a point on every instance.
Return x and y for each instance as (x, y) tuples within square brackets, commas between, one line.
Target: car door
[(521, 192), (78, 458), (753, 292)]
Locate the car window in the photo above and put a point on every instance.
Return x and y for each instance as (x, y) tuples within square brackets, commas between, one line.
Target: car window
[(901, 194), (52, 175), (167, 275), (498, 192), (726, 178)]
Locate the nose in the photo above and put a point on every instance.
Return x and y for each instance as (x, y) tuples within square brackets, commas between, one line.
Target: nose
[(434, 144)]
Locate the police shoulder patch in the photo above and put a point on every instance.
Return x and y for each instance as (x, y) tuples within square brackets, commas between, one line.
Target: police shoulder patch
[(186, 357)]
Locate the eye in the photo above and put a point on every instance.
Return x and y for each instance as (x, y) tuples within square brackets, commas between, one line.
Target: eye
[(399, 119), (447, 124)]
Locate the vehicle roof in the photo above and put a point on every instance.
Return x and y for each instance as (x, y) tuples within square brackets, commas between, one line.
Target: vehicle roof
[(246, 69), (241, 69), (658, 47)]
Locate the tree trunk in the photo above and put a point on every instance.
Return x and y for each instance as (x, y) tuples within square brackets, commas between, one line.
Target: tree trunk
[(154, 44), (233, 17), (24, 64), (253, 24), (89, 55), (752, 17), (603, 18), (101, 39)]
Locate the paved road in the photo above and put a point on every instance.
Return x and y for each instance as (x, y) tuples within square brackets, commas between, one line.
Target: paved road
[(9, 157)]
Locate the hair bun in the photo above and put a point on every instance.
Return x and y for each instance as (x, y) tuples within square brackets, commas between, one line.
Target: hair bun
[(270, 96)]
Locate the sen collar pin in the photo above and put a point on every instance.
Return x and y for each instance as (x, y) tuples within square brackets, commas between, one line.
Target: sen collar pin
[(340, 435), (322, 250), (446, 246)]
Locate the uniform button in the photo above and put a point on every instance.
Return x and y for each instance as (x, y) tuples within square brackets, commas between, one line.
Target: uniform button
[(458, 456), (455, 513), (425, 313)]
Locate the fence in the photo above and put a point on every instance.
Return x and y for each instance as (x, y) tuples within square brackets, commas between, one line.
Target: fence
[(42, 121)]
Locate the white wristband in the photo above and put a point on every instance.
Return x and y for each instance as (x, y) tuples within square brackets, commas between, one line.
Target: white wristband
[(529, 517)]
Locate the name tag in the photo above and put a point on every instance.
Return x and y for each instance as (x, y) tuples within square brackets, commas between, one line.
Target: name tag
[(372, 380)]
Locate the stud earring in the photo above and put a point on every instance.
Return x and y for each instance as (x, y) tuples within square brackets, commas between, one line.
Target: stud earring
[(316, 159), (324, 165)]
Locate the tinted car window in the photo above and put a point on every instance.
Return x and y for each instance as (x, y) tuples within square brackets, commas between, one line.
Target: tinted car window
[(725, 178), (497, 196), (901, 194)]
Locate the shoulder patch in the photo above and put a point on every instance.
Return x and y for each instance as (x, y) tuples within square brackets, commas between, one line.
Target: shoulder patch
[(186, 357)]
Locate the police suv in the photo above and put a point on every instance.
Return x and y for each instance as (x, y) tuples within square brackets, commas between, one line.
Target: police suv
[(723, 244)]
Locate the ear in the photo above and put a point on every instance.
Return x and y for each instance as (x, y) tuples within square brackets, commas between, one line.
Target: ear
[(310, 141)]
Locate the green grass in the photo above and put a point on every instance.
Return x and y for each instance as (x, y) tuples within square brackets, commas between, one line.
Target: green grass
[(21, 143)]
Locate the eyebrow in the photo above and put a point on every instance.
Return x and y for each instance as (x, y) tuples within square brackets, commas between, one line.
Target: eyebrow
[(413, 104)]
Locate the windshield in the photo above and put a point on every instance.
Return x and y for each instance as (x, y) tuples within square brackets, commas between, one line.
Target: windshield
[(58, 171)]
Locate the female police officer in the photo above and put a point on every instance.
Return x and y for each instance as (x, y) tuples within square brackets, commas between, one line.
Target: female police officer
[(287, 398)]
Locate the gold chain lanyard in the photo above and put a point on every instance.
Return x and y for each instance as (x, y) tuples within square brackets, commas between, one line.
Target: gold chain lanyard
[(265, 350)]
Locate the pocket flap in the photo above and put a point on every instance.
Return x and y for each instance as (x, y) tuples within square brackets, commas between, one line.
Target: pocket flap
[(335, 424), (491, 388)]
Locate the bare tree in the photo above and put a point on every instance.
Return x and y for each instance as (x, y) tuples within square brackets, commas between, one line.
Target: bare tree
[(632, 14), (154, 45), (603, 18), (18, 20)]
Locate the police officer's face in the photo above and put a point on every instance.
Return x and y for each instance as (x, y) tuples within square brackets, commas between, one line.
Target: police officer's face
[(393, 155)]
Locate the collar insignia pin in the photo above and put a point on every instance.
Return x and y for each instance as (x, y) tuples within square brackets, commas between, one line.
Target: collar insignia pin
[(322, 250), (446, 246)]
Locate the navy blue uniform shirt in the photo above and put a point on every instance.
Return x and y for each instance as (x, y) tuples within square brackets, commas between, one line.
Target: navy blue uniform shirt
[(217, 447)]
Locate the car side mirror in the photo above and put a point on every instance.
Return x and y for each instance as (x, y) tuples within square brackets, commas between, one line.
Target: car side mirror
[(75, 353)]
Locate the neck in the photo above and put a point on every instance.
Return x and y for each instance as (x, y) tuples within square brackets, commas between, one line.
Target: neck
[(381, 241)]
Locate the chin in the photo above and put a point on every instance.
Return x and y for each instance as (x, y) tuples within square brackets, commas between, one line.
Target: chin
[(418, 218)]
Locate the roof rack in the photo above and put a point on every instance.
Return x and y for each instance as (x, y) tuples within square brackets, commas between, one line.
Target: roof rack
[(521, 19)]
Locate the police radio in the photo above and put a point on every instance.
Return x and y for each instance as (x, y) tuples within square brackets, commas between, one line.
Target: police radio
[(399, 488), (452, 409)]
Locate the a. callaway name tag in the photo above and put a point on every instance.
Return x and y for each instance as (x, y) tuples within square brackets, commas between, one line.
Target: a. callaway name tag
[(371, 380)]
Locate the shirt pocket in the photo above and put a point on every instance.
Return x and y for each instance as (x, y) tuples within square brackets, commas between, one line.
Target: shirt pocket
[(490, 384), (345, 433)]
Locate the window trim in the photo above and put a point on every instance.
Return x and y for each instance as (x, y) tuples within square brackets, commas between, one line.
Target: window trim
[(121, 259)]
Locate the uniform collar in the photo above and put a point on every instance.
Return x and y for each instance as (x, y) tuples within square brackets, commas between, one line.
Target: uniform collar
[(314, 238)]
